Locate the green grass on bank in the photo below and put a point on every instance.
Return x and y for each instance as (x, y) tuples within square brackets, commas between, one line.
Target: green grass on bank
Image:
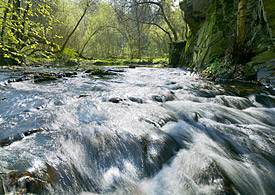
[(97, 62)]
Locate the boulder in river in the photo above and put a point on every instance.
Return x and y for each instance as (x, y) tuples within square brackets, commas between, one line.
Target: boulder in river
[(44, 78)]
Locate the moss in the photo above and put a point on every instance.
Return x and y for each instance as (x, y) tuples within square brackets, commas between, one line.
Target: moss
[(50, 77), (264, 57), (270, 14), (250, 74), (44, 78)]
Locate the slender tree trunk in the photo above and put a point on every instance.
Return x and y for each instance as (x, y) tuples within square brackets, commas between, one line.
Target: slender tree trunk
[(70, 35), (86, 43)]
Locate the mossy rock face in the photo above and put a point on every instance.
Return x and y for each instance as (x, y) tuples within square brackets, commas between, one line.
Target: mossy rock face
[(175, 52), (265, 57), (270, 14), (211, 32), (194, 13), (213, 26)]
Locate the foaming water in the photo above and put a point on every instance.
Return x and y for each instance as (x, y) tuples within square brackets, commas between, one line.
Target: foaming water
[(142, 131)]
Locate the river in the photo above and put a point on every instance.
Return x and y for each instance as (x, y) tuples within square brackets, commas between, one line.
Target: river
[(143, 131)]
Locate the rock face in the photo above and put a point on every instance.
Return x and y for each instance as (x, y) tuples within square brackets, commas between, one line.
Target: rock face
[(213, 26)]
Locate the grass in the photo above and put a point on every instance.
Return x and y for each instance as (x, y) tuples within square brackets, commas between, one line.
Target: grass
[(83, 63)]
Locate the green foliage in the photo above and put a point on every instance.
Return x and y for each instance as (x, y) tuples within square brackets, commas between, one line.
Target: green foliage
[(23, 30), (37, 27), (67, 54), (216, 67)]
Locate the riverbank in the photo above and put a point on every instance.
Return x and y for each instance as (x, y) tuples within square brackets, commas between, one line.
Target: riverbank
[(95, 62)]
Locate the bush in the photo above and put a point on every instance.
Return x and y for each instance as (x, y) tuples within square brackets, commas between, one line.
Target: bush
[(67, 54), (216, 66)]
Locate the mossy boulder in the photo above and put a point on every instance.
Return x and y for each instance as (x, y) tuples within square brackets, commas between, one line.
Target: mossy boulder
[(44, 78), (99, 72)]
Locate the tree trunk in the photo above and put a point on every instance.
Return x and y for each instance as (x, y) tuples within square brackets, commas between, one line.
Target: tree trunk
[(86, 43), (241, 28), (174, 32), (69, 36)]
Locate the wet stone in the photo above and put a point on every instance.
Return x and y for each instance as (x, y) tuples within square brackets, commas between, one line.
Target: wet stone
[(18, 79), (164, 98), (17, 137), (21, 183), (137, 100), (212, 175), (81, 96), (115, 100), (157, 98), (70, 74)]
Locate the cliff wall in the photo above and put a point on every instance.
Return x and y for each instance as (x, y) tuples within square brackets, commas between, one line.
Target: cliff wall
[(213, 26)]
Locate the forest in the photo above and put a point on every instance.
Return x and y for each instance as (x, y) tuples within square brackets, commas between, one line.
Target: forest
[(88, 29)]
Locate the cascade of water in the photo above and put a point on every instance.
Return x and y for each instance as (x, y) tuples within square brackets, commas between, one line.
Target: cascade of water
[(142, 131)]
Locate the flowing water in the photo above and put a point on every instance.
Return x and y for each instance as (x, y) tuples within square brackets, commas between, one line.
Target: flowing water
[(142, 131)]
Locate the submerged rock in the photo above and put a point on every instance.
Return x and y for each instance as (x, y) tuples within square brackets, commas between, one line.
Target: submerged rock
[(99, 72), (164, 98), (213, 175), (11, 139), (137, 100), (39, 76), (18, 79)]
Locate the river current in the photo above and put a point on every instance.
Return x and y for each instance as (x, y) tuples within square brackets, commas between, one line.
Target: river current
[(143, 131)]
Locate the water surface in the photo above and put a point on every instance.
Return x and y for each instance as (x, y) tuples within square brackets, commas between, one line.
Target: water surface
[(170, 132)]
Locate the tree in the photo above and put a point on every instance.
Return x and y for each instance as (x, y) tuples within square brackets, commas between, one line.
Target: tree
[(241, 28), (87, 5), (162, 13), (21, 34)]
